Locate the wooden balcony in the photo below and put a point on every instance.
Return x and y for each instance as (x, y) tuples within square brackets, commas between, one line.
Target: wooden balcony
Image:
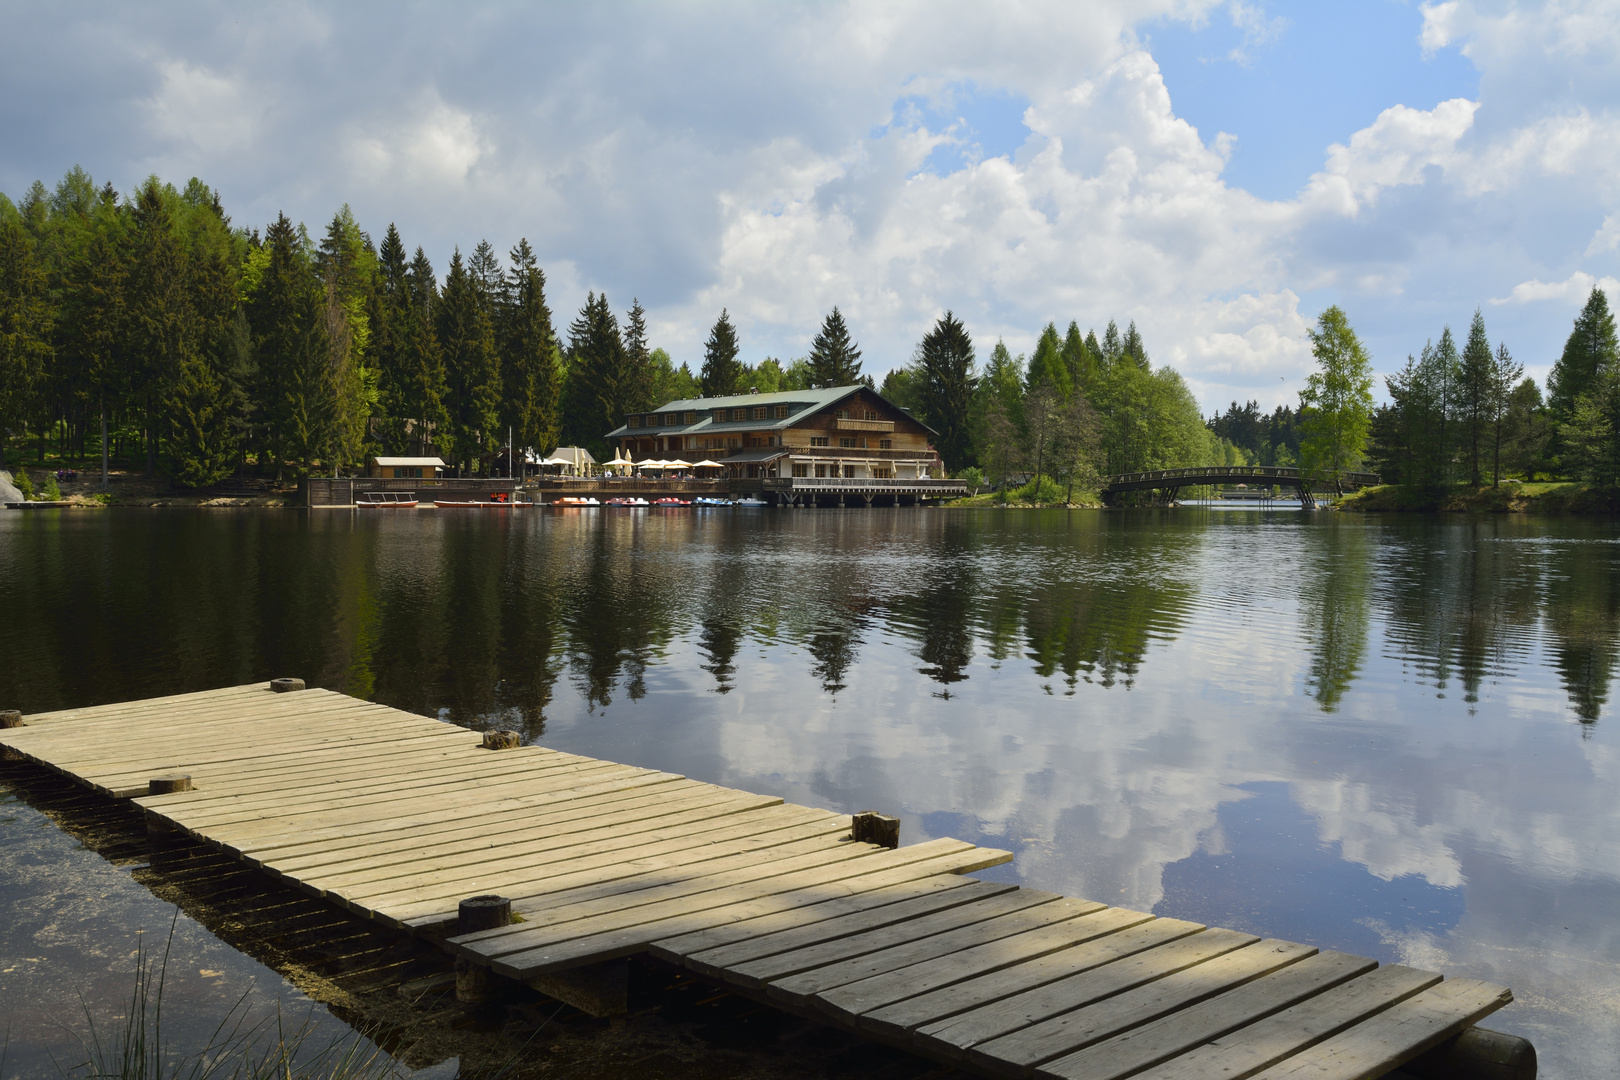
[(865, 425)]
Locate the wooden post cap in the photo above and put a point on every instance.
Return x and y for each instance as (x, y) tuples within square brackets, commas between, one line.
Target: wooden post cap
[(286, 686), (483, 913), (1477, 1054), (872, 827), (168, 784), (502, 740), (10, 718)]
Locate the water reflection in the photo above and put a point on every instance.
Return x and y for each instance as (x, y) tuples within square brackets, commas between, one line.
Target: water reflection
[(1356, 731)]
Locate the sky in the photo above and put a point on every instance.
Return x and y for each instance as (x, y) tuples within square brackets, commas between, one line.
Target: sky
[(1218, 171)]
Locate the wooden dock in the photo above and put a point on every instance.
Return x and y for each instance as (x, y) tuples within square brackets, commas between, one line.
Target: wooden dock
[(399, 818)]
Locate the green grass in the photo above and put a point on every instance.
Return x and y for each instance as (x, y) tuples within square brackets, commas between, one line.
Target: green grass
[(1540, 497)]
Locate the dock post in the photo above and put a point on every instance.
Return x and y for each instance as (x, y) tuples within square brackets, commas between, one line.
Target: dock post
[(873, 828), (286, 686), (10, 718), (474, 982), (502, 740), (1477, 1054)]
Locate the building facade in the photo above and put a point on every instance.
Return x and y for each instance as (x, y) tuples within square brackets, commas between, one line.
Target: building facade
[(850, 432)]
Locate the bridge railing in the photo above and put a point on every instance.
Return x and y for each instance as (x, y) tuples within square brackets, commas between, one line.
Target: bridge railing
[(1211, 474)]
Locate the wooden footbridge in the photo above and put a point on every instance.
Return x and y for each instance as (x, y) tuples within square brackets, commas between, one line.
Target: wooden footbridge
[(1171, 481), (550, 868)]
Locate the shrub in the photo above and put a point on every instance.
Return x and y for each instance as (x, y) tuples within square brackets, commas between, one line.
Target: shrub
[(50, 492), (24, 484), (1047, 491)]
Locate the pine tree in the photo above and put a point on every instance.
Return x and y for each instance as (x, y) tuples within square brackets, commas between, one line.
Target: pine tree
[(424, 378), (472, 375), (635, 381), (1505, 375), (204, 405), (286, 314), (834, 359), (721, 371), (25, 321), (945, 389), (1133, 347), (1590, 350), (1080, 360), (596, 355), (389, 315), (528, 348), (1111, 349), (348, 267), (1475, 399), (1047, 364)]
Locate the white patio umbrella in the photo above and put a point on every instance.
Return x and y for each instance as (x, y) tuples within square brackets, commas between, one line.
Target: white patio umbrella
[(677, 464)]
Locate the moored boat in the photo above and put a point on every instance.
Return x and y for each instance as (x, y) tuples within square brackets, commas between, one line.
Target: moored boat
[(625, 500), (574, 501), (386, 499), (670, 500), (704, 500), (496, 498), (749, 500)]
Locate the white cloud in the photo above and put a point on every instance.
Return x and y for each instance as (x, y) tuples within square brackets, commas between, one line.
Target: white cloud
[(1574, 288), (1607, 238)]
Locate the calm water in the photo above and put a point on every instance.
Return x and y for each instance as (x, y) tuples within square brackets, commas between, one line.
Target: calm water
[(1392, 735)]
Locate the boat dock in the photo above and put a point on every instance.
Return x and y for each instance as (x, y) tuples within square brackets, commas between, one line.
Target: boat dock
[(550, 868)]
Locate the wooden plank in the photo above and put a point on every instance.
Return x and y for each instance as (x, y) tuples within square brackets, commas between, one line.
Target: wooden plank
[(1396, 1036), (1147, 1044), (512, 831), (1255, 1046), (683, 949), (420, 774), (123, 708), (1097, 1007), (546, 902), (173, 727), (352, 814), (265, 847), (630, 808), (947, 1022), (984, 958), (878, 912), (813, 986), (270, 771), (734, 904), (901, 1019), (798, 977), (595, 861), (673, 899)]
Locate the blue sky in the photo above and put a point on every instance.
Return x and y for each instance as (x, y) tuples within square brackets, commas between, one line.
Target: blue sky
[(1217, 170)]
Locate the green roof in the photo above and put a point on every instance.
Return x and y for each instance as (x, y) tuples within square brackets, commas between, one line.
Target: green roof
[(817, 398)]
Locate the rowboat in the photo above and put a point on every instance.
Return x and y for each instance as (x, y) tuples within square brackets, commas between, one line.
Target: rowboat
[(496, 498), (386, 499)]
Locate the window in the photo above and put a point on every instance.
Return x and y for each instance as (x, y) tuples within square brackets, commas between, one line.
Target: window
[(818, 440), (882, 472), (672, 418), (733, 444), (781, 412), (691, 443), (632, 421), (885, 444), (870, 415), (801, 470), (719, 416), (849, 472), (739, 414), (759, 414), (843, 414), (691, 418), (821, 470), (847, 443)]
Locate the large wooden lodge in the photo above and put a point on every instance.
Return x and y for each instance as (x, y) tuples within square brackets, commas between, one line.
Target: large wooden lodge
[(843, 432)]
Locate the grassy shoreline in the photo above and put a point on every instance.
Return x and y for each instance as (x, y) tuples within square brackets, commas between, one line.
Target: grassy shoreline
[(1540, 497)]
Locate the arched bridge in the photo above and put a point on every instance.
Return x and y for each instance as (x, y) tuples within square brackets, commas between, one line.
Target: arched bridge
[(1172, 480)]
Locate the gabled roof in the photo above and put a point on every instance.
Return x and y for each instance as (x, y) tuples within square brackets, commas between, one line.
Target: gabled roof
[(802, 403)]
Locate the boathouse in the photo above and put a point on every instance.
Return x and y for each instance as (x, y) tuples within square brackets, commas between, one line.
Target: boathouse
[(847, 432), (406, 468)]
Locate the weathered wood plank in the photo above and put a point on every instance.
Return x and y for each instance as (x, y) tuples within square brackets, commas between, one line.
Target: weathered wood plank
[(734, 904), (852, 918), (1104, 1012), (1147, 1044), (1396, 1036), (1253, 1047), (943, 1007), (984, 958), (123, 710)]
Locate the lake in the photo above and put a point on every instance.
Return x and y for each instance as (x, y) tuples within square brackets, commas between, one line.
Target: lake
[(1392, 735)]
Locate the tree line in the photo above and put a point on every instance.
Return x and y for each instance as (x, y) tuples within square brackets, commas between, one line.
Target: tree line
[(1469, 416)]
